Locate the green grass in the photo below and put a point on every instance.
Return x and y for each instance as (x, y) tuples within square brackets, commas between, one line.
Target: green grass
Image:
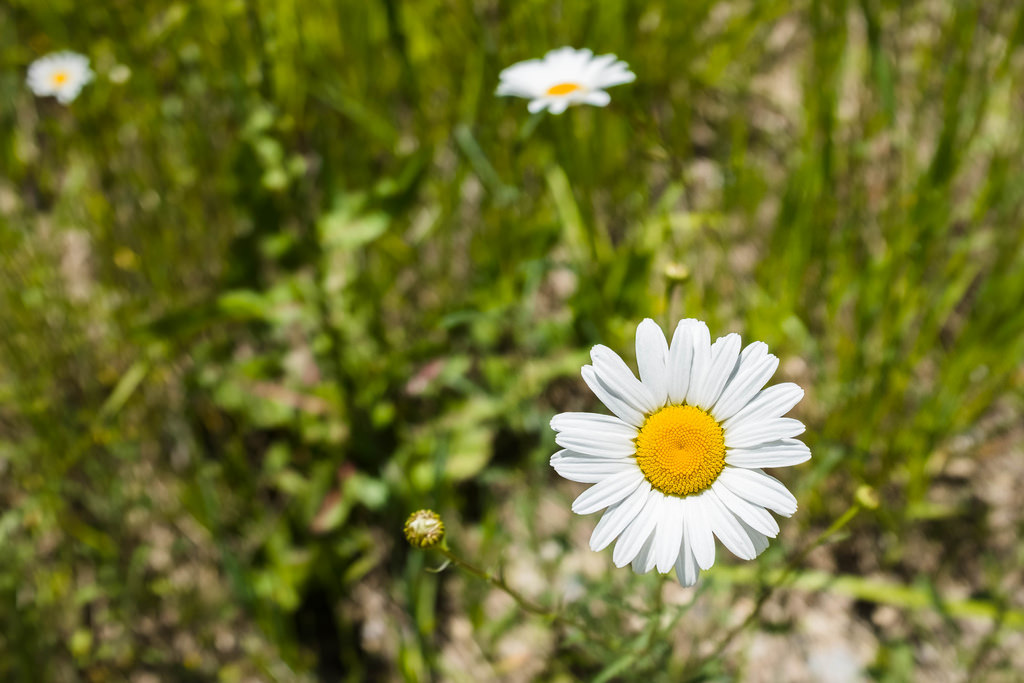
[(302, 273)]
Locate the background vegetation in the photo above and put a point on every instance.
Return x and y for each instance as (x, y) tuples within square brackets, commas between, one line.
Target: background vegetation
[(287, 271)]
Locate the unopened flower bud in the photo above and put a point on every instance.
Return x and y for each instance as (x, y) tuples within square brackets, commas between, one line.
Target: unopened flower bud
[(424, 529), (676, 272), (866, 497)]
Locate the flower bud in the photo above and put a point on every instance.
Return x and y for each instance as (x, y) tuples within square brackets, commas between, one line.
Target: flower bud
[(866, 497), (424, 529), (676, 272)]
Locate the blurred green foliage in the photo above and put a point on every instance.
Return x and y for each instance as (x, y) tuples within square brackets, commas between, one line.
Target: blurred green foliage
[(286, 271)]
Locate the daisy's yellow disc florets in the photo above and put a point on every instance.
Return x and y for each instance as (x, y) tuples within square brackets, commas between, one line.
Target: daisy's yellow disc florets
[(562, 89), (681, 450)]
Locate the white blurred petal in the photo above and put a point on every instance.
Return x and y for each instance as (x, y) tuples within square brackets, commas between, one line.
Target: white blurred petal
[(597, 98), (613, 77), (558, 105)]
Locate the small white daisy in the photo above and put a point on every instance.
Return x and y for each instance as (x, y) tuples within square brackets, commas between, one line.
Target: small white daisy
[(563, 77), (678, 463), (61, 74)]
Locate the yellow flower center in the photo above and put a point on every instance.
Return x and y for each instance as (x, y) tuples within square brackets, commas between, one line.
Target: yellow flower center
[(681, 450), (563, 89), (60, 78)]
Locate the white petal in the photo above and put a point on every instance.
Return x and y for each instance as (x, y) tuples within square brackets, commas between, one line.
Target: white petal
[(700, 337), (651, 359), (746, 433), (599, 66), (774, 401), (600, 63), (727, 527), (644, 560), (639, 530), (611, 399), (606, 71), (557, 106), (689, 335), (755, 368), (508, 88), (708, 379), (781, 453), (568, 55), (748, 513), (601, 444), (698, 532), (537, 105), (618, 516), (522, 70), (615, 374), (686, 564), (597, 98), (523, 79), (613, 77), (588, 469), (759, 488), (669, 534), (759, 540), (608, 491), (592, 422)]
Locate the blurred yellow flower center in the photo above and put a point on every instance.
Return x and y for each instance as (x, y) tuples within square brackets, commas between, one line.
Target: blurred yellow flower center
[(60, 78), (681, 450), (563, 89)]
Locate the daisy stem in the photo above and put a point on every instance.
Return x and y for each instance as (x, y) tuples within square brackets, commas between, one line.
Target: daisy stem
[(500, 584), (768, 589)]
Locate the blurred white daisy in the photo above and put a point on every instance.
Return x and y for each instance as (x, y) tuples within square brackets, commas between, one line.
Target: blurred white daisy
[(679, 462), (61, 74), (563, 77)]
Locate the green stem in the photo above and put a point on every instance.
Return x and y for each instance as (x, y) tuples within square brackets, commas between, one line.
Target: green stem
[(500, 584)]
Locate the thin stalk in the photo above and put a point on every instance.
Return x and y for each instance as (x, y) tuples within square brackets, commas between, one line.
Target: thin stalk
[(499, 583)]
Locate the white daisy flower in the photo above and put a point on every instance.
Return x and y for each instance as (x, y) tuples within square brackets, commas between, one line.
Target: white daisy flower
[(679, 462), (563, 77), (61, 74)]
